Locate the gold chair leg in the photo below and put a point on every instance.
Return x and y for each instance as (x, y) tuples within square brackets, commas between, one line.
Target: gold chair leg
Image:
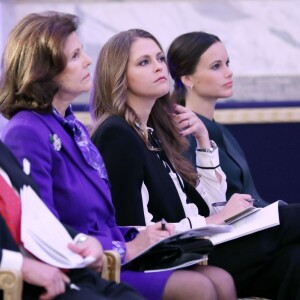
[(111, 265), (204, 262), (11, 283)]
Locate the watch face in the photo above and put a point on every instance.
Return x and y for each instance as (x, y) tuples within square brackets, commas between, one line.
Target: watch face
[(209, 150)]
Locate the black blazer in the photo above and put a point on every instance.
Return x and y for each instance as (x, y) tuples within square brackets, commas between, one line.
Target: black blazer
[(232, 160), (129, 164), (18, 178), (13, 169)]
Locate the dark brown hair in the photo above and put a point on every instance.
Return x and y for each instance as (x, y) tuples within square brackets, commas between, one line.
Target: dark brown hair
[(183, 56), (33, 56)]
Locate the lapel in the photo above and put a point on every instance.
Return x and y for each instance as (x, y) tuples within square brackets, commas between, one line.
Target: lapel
[(225, 141), (69, 148), (233, 148), (237, 154), (229, 145)]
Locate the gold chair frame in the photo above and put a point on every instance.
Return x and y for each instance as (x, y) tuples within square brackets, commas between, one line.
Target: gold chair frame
[(12, 284), (11, 281)]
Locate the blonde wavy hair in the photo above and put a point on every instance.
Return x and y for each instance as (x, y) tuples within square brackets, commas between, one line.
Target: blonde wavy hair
[(109, 97)]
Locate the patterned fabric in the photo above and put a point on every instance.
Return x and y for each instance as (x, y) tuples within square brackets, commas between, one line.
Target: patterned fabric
[(83, 141), (10, 209), (121, 248)]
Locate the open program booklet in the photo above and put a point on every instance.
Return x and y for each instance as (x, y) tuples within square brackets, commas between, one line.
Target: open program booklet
[(44, 236), (177, 251), (250, 222), (247, 222), (244, 213)]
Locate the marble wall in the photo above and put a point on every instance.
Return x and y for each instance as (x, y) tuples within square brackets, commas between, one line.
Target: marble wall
[(262, 37)]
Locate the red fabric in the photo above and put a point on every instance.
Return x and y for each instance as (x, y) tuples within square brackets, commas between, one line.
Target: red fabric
[(10, 209)]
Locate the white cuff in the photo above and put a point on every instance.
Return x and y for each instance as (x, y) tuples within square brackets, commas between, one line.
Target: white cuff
[(185, 224), (11, 260), (207, 160)]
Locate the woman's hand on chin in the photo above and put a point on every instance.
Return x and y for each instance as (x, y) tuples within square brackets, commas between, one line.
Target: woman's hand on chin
[(188, 123)]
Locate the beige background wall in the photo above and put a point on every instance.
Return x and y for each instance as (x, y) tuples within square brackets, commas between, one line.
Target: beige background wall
[(262, 36)]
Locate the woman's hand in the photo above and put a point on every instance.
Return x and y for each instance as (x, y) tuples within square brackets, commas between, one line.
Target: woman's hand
[(236, 204), (189, 123), (90, 247), (151, 235)]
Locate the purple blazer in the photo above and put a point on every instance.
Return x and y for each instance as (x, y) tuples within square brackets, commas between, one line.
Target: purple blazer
[(72, 189)]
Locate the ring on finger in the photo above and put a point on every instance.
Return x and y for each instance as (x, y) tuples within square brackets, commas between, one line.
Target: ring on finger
[(190, 123)]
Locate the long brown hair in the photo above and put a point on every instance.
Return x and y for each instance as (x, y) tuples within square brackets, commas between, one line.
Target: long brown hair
[(109, 97), (32, 58)]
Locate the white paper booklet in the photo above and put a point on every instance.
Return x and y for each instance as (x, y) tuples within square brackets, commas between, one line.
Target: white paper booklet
[(262, 219), (44, 236), (201, 232), (198, 233), (185, 265)]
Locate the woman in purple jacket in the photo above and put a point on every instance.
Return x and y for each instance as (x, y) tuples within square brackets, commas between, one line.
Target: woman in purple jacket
[(45, 69)]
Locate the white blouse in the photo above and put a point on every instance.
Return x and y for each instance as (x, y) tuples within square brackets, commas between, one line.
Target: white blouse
[(209, 188)]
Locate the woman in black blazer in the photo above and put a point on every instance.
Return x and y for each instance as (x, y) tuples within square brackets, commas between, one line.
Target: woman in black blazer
[(140, 135), (198, 85)]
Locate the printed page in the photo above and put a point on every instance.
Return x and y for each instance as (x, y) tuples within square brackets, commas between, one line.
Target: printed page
[(264, 218), (44, 236)]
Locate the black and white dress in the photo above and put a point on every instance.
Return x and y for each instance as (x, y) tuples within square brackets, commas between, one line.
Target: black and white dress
[(145, 187)]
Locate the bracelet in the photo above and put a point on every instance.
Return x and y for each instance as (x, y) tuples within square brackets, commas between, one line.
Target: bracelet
[(208, 168), (209, 150), (121, 248)]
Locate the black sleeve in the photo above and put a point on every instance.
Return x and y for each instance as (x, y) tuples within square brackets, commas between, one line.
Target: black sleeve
[(71, 231), (6, 239), (120, 147)]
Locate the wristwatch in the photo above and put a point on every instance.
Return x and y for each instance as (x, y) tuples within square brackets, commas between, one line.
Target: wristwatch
[(209, 150)]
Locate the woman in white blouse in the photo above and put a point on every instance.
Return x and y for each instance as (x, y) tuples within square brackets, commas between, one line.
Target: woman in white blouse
[(141, 136)]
